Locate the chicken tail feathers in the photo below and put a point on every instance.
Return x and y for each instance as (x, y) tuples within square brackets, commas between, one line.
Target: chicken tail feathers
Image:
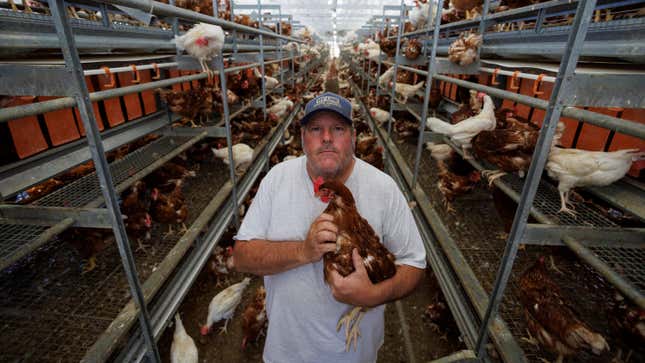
[(438, 126), (179, 42), (582, 336)]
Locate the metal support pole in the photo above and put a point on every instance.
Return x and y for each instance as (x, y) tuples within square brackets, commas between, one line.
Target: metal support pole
[(482, 26), (396, 63), (380, 52), (279, 27), (424, 110), (575, 41), (293, 68), (81, 94), (175, 26), (232, 5), (264, 86), (229, 141), (105, 19)]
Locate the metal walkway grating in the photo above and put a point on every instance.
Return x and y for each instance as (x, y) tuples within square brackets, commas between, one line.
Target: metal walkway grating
[(547, 201), (87, 189)]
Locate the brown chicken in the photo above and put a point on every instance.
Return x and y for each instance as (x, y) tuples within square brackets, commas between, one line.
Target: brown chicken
[(88, 242), (456, 175), (254, 318), (186, 104), (463, 51), (135, 200), (220, 264), (138, 225), (76, 172), (467, 6), (354, 232), (39, 190), (509, 148), (412, 49), (167, 172), (169, 208), (551, 321), (627, 322)]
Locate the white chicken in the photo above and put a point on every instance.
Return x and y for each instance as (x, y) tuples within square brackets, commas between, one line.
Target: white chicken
[(280, 109), (242, 155), (223, 305), (380, 116), (419, 14), (183, 348), (356, 107), (439, 152), (578, 168), (406, 90), (269, 82), (386, 77), (203, 41), (463, 132)]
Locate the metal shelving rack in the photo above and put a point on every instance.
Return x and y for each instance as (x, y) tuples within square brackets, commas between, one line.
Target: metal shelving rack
[(591, 236), (25, 228)]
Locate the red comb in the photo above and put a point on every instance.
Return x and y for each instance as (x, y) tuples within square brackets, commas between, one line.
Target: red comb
[(317, 183)]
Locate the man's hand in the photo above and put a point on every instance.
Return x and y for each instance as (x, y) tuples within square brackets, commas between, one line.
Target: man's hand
[(320, 238), (356, 288)]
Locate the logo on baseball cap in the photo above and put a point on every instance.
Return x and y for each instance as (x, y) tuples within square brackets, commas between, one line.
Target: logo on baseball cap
[(328, 101)]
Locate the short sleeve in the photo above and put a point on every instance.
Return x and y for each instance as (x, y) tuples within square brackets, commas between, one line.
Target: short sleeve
[(400, 234), (257, 219)]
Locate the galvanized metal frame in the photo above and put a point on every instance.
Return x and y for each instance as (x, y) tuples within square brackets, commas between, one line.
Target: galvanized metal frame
[(553, 112), (437, 232), (82, 97), (431, 72)]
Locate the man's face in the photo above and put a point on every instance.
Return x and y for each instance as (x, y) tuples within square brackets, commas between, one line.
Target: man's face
[(328, 142)]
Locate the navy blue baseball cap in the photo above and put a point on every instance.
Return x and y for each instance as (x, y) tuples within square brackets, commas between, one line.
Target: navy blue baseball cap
[(328, 101)]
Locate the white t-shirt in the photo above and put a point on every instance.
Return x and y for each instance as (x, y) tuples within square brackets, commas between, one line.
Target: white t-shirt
[(301, 310)]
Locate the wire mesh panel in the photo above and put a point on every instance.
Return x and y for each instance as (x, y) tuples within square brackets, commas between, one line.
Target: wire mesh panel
[(547, 201), (87, 189), (14, 236), (628, 262)]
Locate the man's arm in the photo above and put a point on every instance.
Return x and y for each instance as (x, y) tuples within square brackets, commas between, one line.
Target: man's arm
[(262, 257), (357, 289)]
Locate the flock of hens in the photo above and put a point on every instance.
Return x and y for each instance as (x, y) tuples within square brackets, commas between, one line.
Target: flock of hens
[(503, 139)]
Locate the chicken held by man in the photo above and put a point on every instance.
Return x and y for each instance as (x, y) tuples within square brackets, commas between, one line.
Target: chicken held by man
[(356, 239)]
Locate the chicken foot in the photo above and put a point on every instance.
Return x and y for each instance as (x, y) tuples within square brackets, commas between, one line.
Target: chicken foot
[(564, 199), (223, 329), (351, 321), (89, 265), (209, 72), (492, 175)]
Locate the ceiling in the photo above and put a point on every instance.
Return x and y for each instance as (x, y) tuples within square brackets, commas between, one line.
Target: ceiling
[(317, 15)]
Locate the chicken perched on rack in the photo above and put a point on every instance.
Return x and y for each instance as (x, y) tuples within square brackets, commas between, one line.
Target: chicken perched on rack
[(280, 109), (464, 9), (254, 318), (169, 208), (39, 190), (456, 176), (509, 147), (412, 49), (552, 322), (223, 306), (220, 264), (419, 14), (463, 132), (380, 116), (463, 51), (627, 322), (203, 41), (269, 82), (354, 234), (183, 348), (242, 156), (168, 172), (88, 242), (186, 104), (581, 168), (134, 211), (406, 91)]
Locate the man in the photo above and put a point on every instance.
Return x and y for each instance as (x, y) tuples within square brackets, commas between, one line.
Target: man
[(285, 235)]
